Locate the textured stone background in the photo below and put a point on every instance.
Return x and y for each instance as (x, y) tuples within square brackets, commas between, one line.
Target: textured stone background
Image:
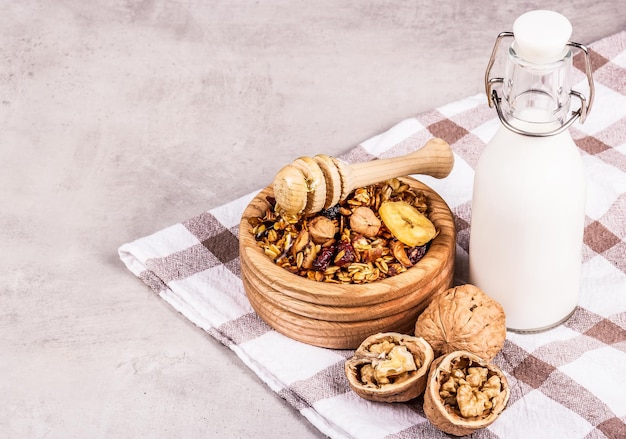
[(120, 118)]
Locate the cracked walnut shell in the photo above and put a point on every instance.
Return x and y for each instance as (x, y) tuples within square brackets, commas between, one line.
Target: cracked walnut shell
[(463, 318), (464, 393), (390, 367)]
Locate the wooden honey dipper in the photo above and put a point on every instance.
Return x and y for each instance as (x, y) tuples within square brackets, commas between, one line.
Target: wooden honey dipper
[(311, 184)]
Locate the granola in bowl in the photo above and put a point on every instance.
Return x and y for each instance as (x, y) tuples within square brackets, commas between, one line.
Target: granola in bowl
[(348, 243)]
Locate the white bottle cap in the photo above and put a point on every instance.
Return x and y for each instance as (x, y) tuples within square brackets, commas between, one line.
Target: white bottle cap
[(541, 36)]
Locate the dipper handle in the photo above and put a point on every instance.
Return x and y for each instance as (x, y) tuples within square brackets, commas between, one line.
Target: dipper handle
[(309, 185), (435, 159)]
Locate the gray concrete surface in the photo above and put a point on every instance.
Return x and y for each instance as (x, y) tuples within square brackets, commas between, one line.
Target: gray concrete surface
[(120, 118)]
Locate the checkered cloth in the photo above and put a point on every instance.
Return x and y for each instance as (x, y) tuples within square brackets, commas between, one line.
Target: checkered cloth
[(568, 382)]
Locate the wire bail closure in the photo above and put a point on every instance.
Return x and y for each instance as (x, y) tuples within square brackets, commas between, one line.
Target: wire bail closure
[(494, 99)]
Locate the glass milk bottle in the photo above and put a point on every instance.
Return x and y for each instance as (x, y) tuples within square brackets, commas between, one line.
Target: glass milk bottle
[(528, 207)]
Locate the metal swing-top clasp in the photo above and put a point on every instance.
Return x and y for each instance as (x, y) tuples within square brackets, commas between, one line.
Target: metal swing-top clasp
[(495, 100)]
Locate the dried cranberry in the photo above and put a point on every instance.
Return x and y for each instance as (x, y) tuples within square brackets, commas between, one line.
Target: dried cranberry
[(416, 253), (348, 255), (324, 257)]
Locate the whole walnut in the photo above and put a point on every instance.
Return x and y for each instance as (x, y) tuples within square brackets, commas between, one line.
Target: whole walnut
[(463, 318)]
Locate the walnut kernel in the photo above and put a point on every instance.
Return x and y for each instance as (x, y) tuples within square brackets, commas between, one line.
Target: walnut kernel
[(389, 367), (464, 393)]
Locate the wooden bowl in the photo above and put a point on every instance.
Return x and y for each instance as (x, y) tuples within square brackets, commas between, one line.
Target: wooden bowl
[(341, 316)]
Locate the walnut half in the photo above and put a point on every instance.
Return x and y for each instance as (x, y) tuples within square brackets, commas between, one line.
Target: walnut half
[(389, 367), (464, 393)]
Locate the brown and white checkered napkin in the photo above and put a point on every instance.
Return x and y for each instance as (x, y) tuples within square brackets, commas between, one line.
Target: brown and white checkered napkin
[(569, 382)]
